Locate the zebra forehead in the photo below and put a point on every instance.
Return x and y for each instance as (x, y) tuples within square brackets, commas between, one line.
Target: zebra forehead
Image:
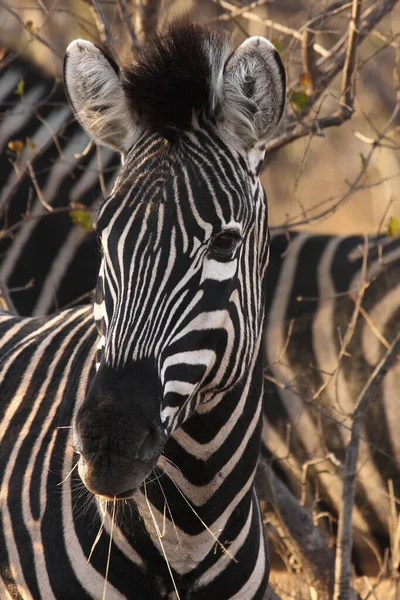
[(186, 186)]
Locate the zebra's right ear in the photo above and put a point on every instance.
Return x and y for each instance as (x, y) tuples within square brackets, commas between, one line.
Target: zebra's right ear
[(95, 92), (252, 94)]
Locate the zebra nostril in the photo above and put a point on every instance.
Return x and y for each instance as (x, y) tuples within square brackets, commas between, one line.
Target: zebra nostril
[(152, 444)]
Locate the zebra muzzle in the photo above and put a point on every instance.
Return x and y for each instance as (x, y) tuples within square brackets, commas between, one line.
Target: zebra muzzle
[(113, 467)]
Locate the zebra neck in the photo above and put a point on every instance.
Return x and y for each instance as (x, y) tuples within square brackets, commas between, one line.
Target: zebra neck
[(215, 452), (202, 497)]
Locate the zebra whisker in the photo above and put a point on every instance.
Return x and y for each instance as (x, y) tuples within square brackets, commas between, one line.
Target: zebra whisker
[(166, 504), (109, 551), (163, 457), (161, 543), (69, 473), (98, 536), (220, 544)]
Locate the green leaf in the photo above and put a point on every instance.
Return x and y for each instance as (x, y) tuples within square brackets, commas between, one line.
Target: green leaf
[(393, 227), (20, 89), (30, 144), (279, 46), (299, 100), (82, 218)]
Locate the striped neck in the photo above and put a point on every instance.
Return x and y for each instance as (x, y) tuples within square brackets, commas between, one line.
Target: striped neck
[(201, 495)]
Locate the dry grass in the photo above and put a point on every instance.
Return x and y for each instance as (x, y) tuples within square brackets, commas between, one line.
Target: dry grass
[(292, 586)]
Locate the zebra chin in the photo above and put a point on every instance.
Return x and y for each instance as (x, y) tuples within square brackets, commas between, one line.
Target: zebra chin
[(119, 484)]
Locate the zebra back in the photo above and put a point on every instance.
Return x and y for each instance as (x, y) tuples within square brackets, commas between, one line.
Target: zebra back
[(51, 176), (308, 401)]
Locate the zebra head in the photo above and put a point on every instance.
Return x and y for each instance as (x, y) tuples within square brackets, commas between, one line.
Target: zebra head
[(179, 301)]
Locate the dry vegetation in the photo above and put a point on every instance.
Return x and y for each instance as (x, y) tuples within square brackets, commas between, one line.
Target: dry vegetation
[(333, 166)]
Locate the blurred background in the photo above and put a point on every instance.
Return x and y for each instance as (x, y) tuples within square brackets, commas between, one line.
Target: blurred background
[(339, 180)]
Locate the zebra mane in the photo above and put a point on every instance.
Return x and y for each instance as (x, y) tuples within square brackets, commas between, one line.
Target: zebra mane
[(176, 75)]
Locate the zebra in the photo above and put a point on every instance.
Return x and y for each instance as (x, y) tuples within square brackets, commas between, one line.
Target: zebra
[(369, 511), (177, 323), (48, 168), (311, 287)]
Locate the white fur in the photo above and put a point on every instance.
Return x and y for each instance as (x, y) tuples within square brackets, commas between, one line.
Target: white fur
[(248, 121), (98, 98)]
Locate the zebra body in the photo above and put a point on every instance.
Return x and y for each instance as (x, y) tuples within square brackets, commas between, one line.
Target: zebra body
[(48, 529), (44, 257), (164, 396), (312, 286)]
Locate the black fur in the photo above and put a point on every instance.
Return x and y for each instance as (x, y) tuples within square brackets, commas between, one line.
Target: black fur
[(171, 76)]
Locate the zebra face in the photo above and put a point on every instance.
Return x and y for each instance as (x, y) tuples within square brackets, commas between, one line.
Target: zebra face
[(179, 304)]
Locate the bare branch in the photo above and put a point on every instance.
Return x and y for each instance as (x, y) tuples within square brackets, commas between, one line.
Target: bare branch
[(127, 20), (148, 12), (348, 84), (5, 299), (308, 45), (33, 35), (345, 538), (239, 12), (304, 535), (352, 323), (271, 24), (102, 26), (294, 129), (42, 199)]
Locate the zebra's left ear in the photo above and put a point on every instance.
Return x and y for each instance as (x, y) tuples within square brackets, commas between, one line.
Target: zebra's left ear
[(95, 92), (253, 93)]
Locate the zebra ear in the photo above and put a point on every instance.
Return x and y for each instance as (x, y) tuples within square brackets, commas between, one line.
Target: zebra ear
[(95, 92), (253, 93)]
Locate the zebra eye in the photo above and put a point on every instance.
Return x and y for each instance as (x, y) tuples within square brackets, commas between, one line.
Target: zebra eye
[(225, 243)]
